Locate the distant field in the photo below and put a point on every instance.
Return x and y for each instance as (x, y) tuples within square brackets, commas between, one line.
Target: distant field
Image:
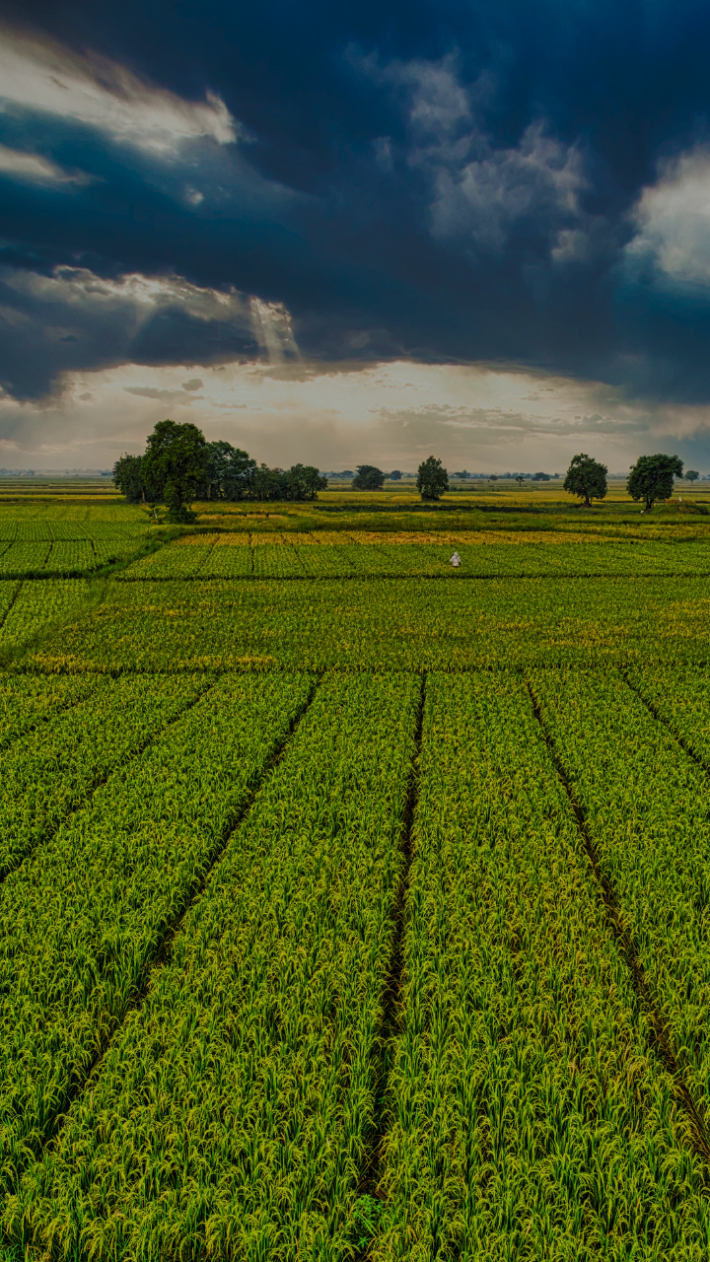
[(353, 908)]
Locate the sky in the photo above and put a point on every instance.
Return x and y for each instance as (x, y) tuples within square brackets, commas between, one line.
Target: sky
[(356, 233)]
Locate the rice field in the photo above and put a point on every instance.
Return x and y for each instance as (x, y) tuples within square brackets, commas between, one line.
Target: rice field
[(352, 908)]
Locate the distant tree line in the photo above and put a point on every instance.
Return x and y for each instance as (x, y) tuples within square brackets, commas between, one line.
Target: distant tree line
[(180, 466)]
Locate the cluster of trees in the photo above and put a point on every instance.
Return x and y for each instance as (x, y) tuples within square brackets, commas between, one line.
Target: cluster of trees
[(180, 466), (432, 478), (650, 479)]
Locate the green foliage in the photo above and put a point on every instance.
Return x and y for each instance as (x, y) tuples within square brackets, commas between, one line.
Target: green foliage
[(651, 478), (519, 1011), (368, 478), (127, 477), (246, 1081), (229, 473), (81, 920), (364, 1220), (586, 478), (692, 475), (175, 464), (432, 479), (395, 475), (647, 807)]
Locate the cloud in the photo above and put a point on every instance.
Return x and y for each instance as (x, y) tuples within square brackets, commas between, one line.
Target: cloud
[(42, 76), (347, 186), (672, 221), (32, 166), (73, 319)]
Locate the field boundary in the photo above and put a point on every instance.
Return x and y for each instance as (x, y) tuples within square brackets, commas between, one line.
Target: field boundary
[(392, 1014), (162, 954), (662, 1043), (666, 723), (104, 778)]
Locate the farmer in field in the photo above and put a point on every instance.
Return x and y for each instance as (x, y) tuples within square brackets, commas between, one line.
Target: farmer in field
[(455, 560)]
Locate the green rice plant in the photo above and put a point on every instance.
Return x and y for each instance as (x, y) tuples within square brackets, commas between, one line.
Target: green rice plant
[(646, 805), (168, 562), (231, 1115), (384, 624), (50, 771), (24, 558), (278, 562), (680, 697), (34, 606), (82, 919), (28, 702), (526, 1116), (227, 562)]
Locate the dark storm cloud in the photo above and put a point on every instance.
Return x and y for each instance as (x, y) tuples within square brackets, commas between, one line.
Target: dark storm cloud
[(433, 180)]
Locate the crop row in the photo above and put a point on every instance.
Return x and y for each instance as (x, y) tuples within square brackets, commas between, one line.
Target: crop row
[(28, 702), (47, 773), (27, 608), (211, 558), (526, 1116), (24, 531), (680, 696), (235, 1112), (234, 1109), (380, 624), (83, 917), (647, 807), (79, 556)]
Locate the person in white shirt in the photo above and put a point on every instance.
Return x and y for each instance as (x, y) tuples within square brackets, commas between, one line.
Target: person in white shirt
[(455, 560)]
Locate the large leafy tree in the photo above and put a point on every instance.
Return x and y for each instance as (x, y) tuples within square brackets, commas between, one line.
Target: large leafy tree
[(127, 477), (175, 464), (229, 472), (368, 478), (432, 479), (586, 478), (651, 478), (692, 475), (303, 482)]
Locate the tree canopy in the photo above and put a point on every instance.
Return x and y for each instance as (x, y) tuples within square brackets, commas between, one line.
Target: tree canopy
[(179, 466), (229, 473), (692, 475), (174, 463), (368, 478), (586, 478), (432, 479), (651, 478)]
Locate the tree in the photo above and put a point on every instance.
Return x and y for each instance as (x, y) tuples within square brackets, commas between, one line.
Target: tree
[(462, 474), (692, 475), (586, 478), (432, 479), (229, 472), (492, 477), (395, 475), (368, 478), (520, 479), (303, 482), (127, 477), (174, 464), (541, 477), (651, 478)]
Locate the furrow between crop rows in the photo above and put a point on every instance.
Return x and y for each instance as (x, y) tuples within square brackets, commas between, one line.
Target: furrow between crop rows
[(82, 922), (48, 775), (234, 1107), (527, 1117), (661, 1041), (647, 814)]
